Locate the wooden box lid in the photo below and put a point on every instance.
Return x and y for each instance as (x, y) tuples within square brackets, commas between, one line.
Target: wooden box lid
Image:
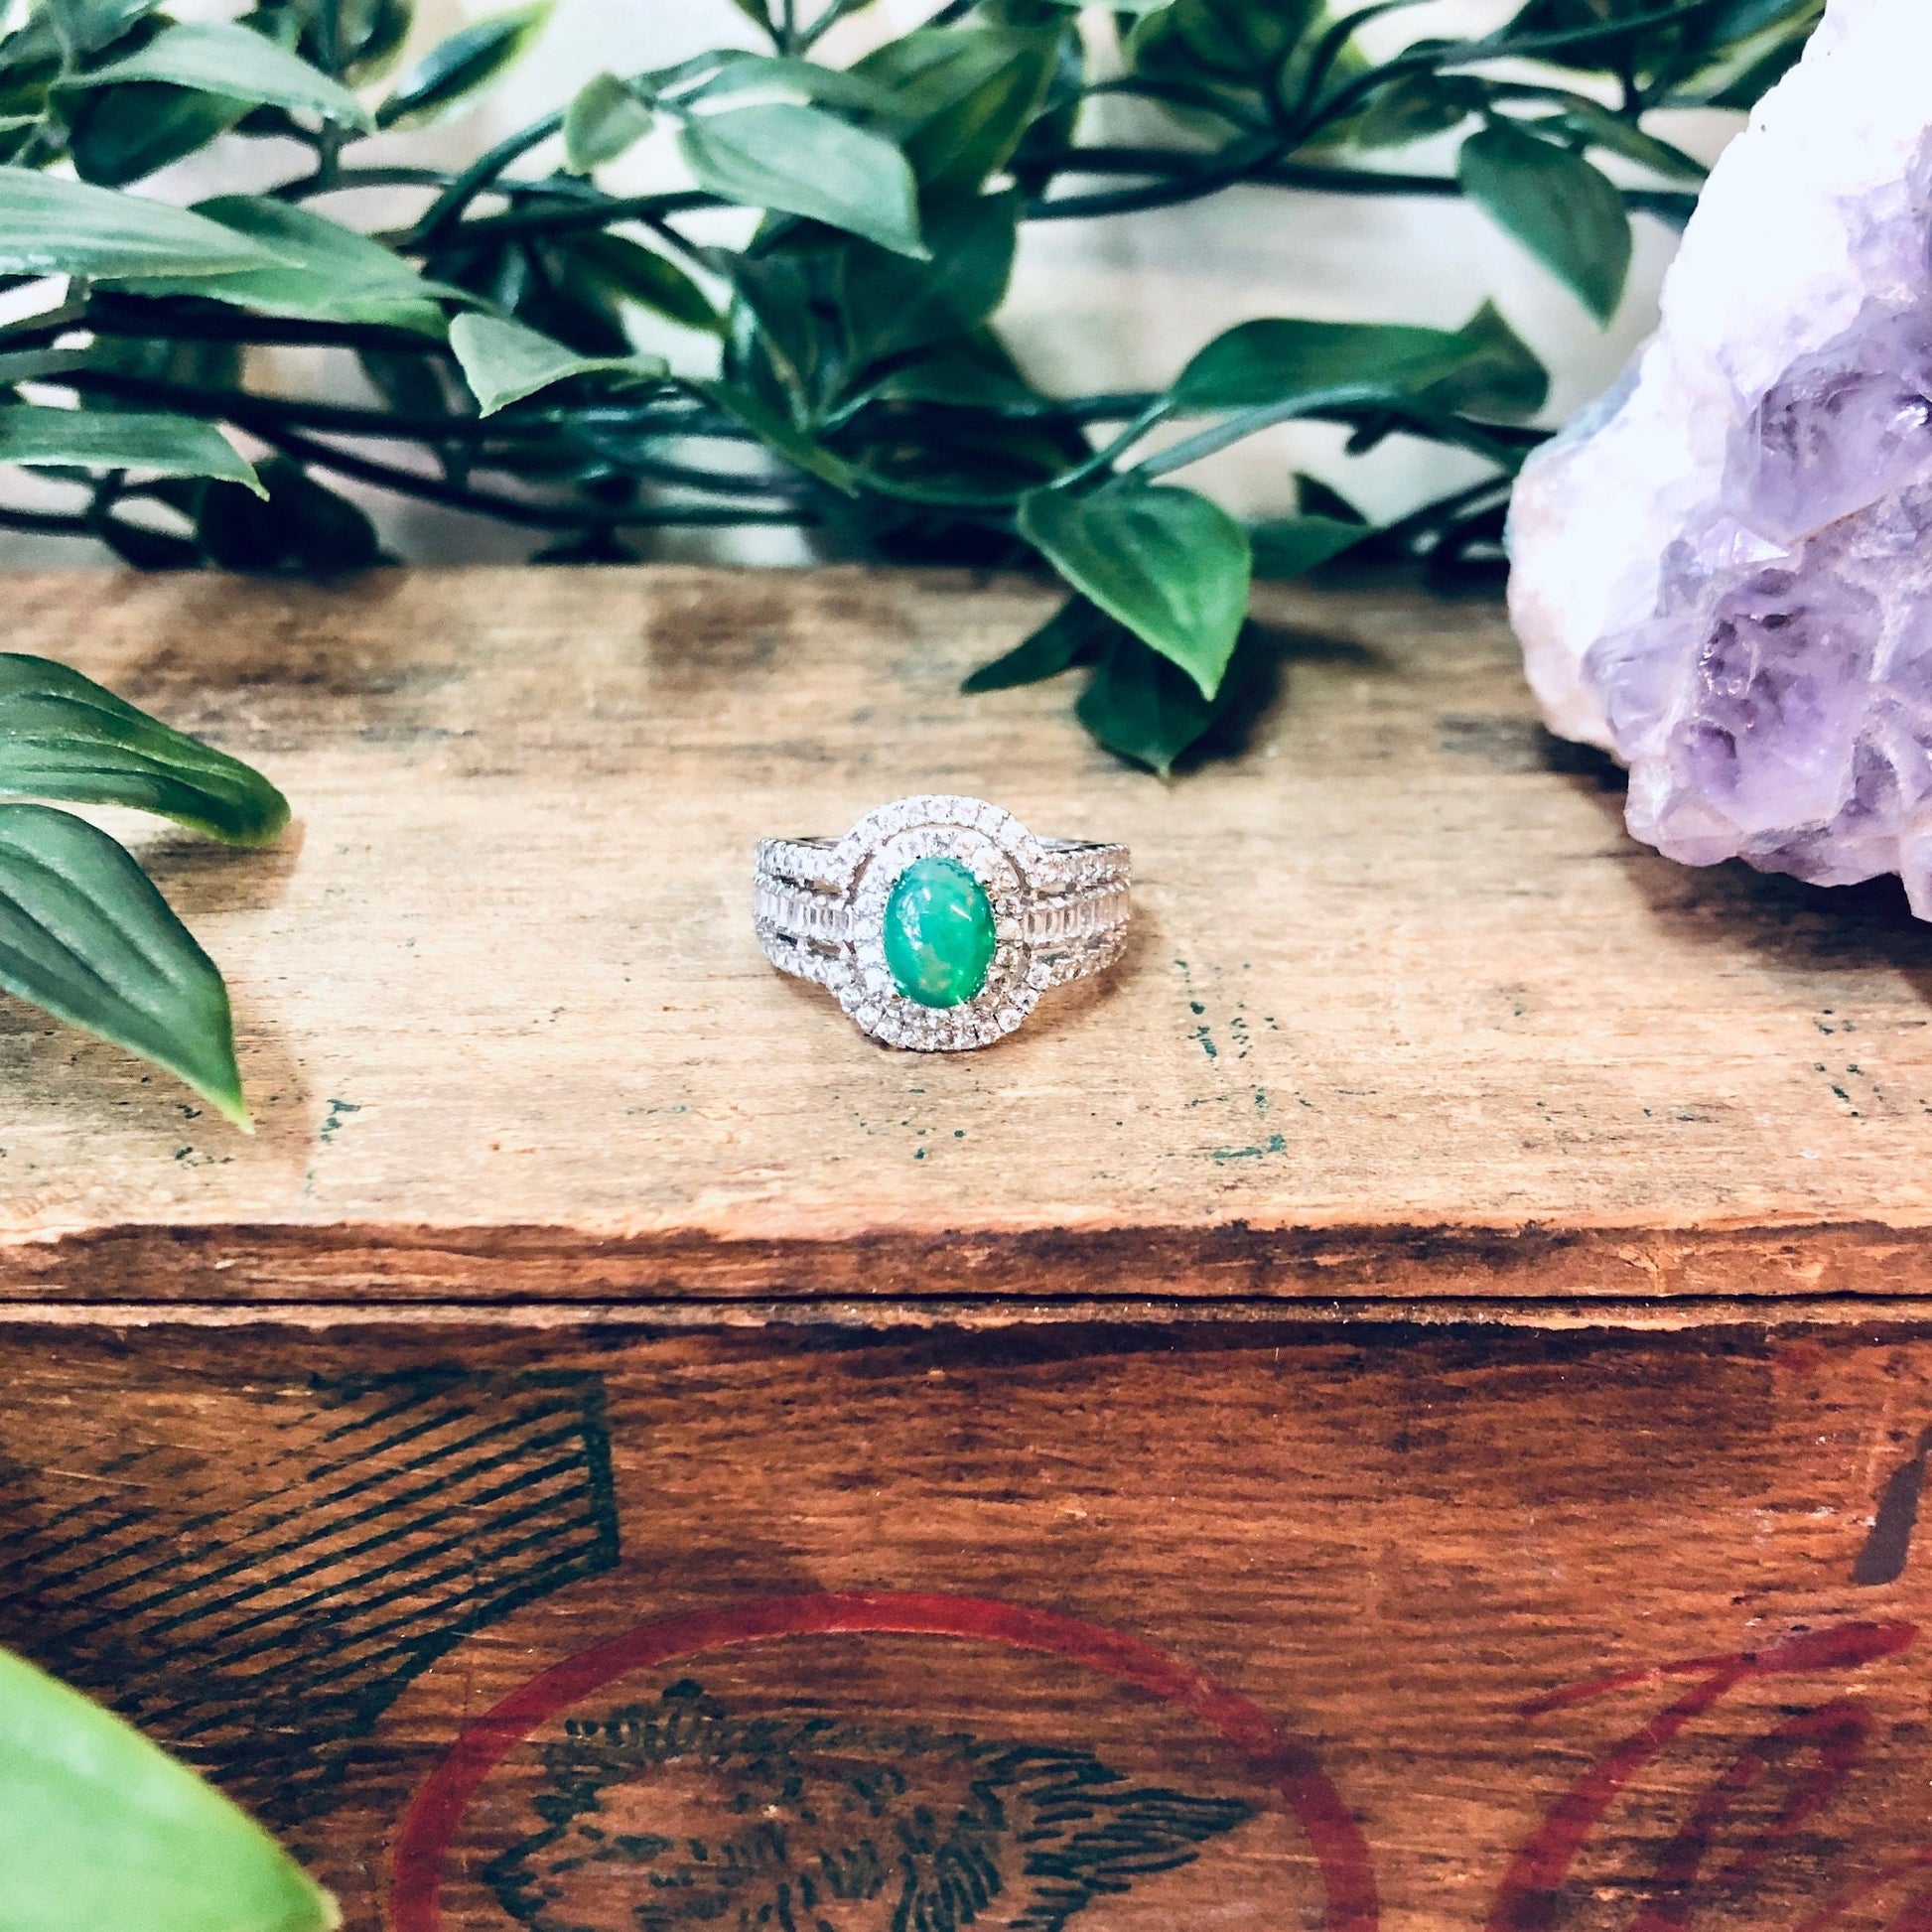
[(1408, 1014)]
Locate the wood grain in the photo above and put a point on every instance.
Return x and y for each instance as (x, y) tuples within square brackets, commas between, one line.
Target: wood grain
[(1364, 1629), (1405, 1410), (1408, 1015)]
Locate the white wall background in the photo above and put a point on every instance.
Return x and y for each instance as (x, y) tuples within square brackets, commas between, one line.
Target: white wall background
[(1095, 304)]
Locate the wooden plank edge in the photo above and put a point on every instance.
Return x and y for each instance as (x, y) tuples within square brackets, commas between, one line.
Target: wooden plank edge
[(1700, 1317), (486, 1267)]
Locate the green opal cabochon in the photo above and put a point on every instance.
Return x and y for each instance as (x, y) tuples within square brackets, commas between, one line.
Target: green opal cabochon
[(939, 936)]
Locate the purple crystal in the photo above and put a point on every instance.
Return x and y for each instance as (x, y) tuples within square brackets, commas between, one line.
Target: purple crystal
[(1782, 710), (1722, 573), (1836, 435)]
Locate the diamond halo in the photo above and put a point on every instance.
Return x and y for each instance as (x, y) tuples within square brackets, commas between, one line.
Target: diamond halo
[(1059, 910)]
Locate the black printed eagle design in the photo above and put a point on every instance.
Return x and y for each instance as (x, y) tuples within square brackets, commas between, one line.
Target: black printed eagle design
[(673, 1815)]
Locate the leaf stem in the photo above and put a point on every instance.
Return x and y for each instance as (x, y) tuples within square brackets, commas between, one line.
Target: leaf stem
[(449, 207), (45, 523), (1183, 183), (515, 510), (1157, 410), (344, 179), (574, 215)]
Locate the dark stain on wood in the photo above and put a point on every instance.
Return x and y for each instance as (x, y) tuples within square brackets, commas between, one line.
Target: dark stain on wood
[(1888, 1548), (1157, 1267)]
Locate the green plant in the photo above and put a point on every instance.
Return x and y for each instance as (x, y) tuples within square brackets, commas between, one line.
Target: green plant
[(860, 388), (83, 934), (102, 1831)]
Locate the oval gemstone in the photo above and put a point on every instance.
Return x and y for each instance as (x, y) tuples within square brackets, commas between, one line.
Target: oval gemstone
[(939, 937)]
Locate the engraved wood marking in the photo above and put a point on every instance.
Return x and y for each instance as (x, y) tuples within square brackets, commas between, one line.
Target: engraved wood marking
[(424, 1842), (388, 1518)]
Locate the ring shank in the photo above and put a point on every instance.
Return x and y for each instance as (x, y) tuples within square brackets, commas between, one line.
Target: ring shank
[(1075, 926)]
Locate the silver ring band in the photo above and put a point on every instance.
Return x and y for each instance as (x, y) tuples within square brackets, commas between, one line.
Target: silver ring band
[(1056, 910)]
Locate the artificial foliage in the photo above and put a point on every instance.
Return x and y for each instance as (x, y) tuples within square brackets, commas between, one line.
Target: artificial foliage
[(845, 373), (84, 934), (101, 1831)]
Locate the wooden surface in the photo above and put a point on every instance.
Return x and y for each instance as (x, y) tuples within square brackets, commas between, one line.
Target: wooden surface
[(619, 1452), (1369, 1629), (1407, 1016)]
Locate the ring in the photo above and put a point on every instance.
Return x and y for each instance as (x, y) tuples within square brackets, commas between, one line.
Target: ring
[(940, 922)]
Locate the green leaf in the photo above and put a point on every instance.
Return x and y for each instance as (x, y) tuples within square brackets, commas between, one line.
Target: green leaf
[(778, 327), (1278, 361), (219, 57), (963, 97), (323, 271), (1170, 564), (1743, 72), (950, 381), (304, 527), (372, 35), (1144, 707), (1414, 107), (1289, 365), (108, 1834), (891, 305), (411, 382), (1588, 121), (1497, 378), (1314, 497), (504, 361), (39, 365), (1075, 633), (603, 119), (87, 438), (776, 433), (50, 226), (85, 27), (785, 74), (462, 66), (1560, 208), (1742, 18), (645, 277), (1228, 48), (1291, 546), (1640, 51), (122, 134), (553, 293), (84, 935), (801, 161), (59, 33), (61, 735)]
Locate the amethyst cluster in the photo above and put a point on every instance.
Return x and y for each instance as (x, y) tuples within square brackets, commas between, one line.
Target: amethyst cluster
[(1723, 575)]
